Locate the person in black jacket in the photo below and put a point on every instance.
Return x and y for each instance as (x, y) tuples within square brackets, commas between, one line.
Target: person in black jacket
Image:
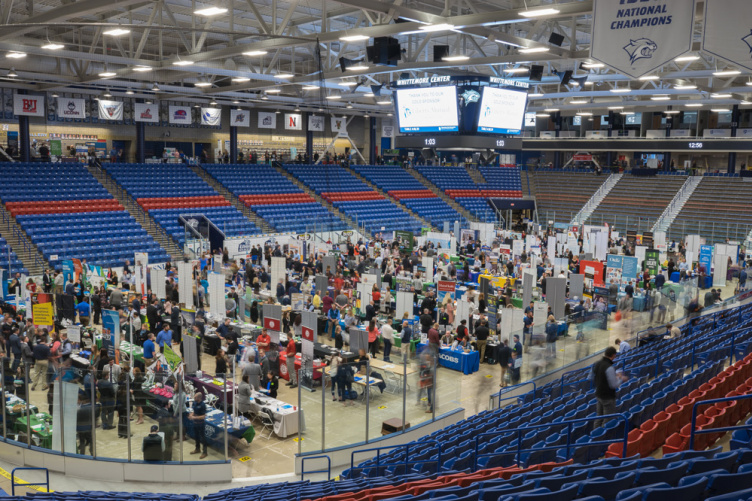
[(606, 381), (153, 445), (504, 354), (152, 316)]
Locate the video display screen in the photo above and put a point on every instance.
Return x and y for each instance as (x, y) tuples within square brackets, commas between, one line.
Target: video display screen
[(427, 109), (501, 111)]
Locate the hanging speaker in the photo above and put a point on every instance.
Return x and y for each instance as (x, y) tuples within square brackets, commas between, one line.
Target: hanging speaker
[(536, 73), (556, 39), (440, 52), (565, 77)]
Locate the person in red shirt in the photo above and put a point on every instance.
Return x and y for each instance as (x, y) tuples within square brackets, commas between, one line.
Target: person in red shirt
[(339, 282), (263, 340), (433, 339), (376, 296), (373, 337), (290, 353)]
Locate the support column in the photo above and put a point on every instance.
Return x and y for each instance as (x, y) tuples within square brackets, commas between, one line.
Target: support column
[(233, 144), (24, 138), (140, 142), (372, 140), (557, 129), (734, 126), (667, 154), (308, 138)]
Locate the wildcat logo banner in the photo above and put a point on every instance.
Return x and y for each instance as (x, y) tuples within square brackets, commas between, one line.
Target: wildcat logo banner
[(728, 31), (636, 37), (211, 116), (267, 120), (110, 110), (143, 112), (240, 118)]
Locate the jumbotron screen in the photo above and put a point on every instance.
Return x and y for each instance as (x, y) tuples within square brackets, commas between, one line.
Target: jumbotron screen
[(501, 111), (427, 109)]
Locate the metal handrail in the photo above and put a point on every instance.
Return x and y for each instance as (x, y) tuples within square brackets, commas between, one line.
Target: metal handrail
[(569, 424), (407, 454), (562, 379), (308, 458), (13, 483), (511, 388), (725, 429)]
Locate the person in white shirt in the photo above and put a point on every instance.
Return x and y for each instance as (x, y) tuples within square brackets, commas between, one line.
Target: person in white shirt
[(387, 333), (623, 346)]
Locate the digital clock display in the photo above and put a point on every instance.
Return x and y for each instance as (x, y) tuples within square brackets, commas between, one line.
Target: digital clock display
[(695, 146)]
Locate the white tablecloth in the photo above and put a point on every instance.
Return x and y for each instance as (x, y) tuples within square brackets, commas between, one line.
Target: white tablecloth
[(285, 415)]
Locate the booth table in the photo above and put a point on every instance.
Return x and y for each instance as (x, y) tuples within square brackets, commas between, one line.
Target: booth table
[(285, 415), (298, 357), (37, 428), (207, 384), (457, 360), (215, 424)]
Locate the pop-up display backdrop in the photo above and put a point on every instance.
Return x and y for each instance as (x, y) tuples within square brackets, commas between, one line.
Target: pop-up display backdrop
[(278, 270), (556, 291), (158, 277), (216, 294), (404, 304), (576, 285), (185, 284)]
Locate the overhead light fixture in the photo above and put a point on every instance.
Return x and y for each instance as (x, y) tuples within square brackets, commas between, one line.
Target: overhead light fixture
[(297, 109), (12, 73), (241, 79), (107, 74), (384, 102), (311, 87), (532, 50), (277, 112), (366, 115), (53, 46), (660, 98), (284, 75), (684, 59), (182, 62), (515, 70), (627, 113), (210, 11), (578, 101), (451, 59), (542, 115), (584, 114), (588, 83), (536, 94), (685, 87), (745, 102), (621, 90), (389, 114), (236, 102), (551, 110), (358, 67), (369, 94), (116, 32), (129, 92), (202, 84), (155, 88), (427, 28), (141, 69), (616, 107), (539, 12), (726, 73), (15, 55), (354, 38), (335, 96), (213, 103), (348, 83), (107, 93), (650, 77), (593, 65), (254, 53), (693, 105), (264, 98), (273, 91), (749, 83), (349, 106), (720, 96), (671, 112), (720, 110), (54, 94)]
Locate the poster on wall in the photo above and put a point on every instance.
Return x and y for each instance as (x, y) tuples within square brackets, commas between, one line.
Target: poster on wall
[(211, 116), (267, 120), (636, 38), (28, 105), (42, 311), (315, 123), (111, 333), (293, 121), (652, 261), (240, 118), (68, 107), (143, 112), (387, 130), (180, 115), (727, 32), (593, 271), (706, 258), (110, 110)]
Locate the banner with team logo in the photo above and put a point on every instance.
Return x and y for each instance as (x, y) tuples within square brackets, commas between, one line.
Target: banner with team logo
[(267, 120), (636, 38), (28, 105), (68, 107), (180, 115), (240, 118), (293, 121), (143, 112), (339, 125), (110, 110), (315, 123), (728, 33), (211, 116)]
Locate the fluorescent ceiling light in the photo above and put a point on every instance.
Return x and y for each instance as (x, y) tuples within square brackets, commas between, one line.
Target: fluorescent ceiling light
[(182, 62), (241, 79), (551, 110), (389, 114), (12, 73), (334, 97), (53, 46), (357, 67), (15, 55), (284, 75), (236, 102), (593, 65), (622, 90), (584, 114), (354, 38), (627, 113), (616, 107), (129, 92), (142, 68), (116, 32), (537, 94), (671, 112), (660, 98), (539, 12), (589, 83), (515, 70), (684, 59), (202, 84), (726, 73), (719, 110), (384, 102), (273, 91), (436, 27), (369, 94), (107, 94), (252, 53), (450, 59), (720, 96), (210, 11), (745, 102), (311, 87), (693, 105), (531, 50), (578, 101), (685, 87), (213, 103), (542, 115), (348, 84), (650, 77), (264, 98), (107, 74)]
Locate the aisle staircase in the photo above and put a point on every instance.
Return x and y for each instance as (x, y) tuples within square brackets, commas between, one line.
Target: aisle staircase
[(135, 210), (677, 204), (234, 200), (315, 196), (389, 197), (21, 244), (592, 204), (475, 175), (440, 193)]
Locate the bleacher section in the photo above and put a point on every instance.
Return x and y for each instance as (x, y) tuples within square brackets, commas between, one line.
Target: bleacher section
[(637, 202), (274, 198), (501, 182), (393, 180), (67, 213), (560, 195), (718, 209), (9, 260), (353, 197), (167, 191)]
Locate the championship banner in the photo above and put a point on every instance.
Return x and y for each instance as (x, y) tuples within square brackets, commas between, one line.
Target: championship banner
[(267, 120), (315, 123), (211, 116), (110, 110), (143, 112), (28, 105), (111, 333), (240, 118), (727, 32), (41, 311), (68, 107), (635, 38), (293, 121), (180, 115)]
